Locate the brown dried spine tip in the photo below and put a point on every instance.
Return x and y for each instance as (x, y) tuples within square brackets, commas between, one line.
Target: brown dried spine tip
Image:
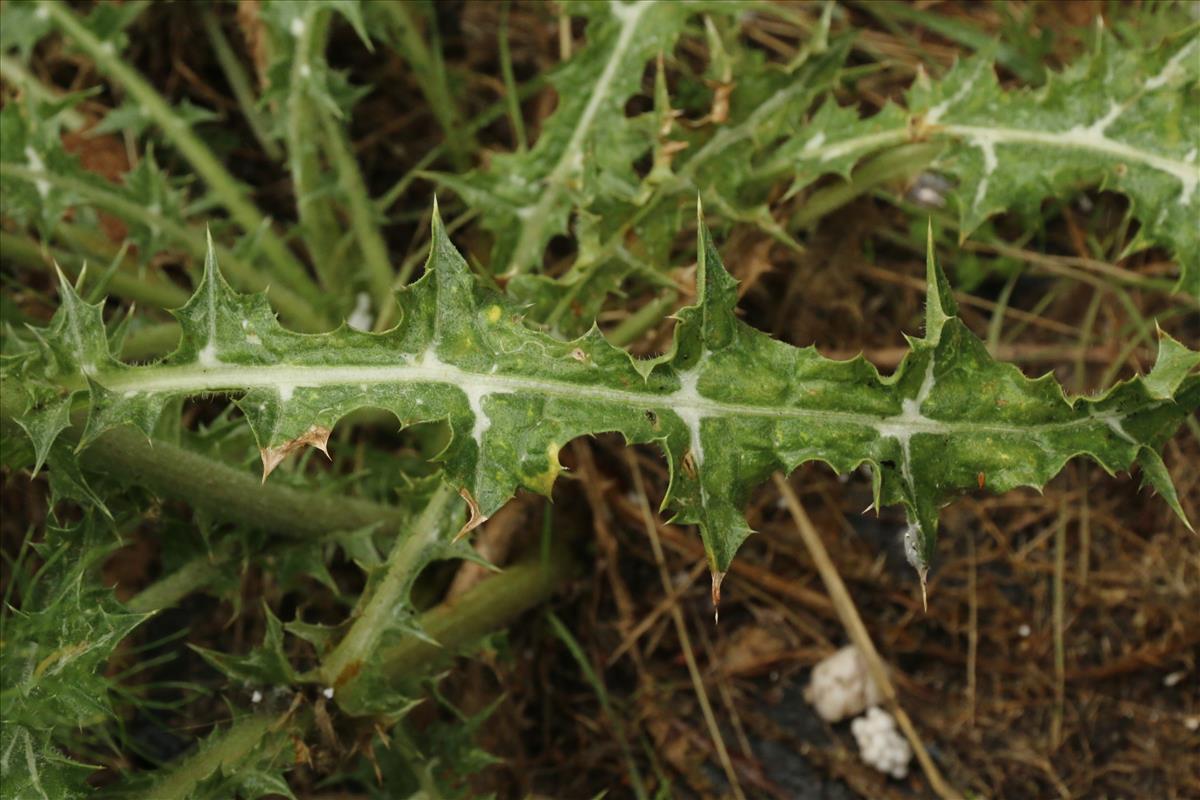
[(476, 518), (317, 436)]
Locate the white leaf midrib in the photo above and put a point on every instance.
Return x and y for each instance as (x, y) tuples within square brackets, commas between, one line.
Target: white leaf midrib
[(1188, 174), (686, 403)]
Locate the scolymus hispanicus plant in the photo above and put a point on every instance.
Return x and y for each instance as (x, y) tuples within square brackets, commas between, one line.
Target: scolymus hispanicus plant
[(493, 360)]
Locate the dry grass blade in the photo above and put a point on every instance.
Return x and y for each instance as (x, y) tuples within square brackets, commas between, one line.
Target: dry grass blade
[(681, 630), (857, 631)]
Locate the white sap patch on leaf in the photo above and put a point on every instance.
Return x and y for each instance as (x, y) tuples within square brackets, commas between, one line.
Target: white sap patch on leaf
[(475, 395), (686, 402), (207, 357), (360, 318), (909, 422)]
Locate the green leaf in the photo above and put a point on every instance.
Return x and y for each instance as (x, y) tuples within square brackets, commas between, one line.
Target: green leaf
[(32, 768), (133, 119), (54, 650), (587, 146), (267, 665), (728, 405), (1122, 119), (620, 235), (22, 24)]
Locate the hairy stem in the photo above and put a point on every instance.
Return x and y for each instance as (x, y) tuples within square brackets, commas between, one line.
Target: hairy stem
[(224, 751), (408, 555), (170, 589), (457, 624), (904, 161), (225, 492), (430, 73)]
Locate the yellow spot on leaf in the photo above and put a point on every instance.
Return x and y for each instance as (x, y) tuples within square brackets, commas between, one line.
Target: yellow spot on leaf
[(493, 314), (543, 482)]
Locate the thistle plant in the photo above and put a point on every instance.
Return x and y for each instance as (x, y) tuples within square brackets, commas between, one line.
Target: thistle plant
[(493, 358)]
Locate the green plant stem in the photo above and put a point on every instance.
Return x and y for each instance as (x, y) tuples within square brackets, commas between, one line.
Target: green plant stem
[(146, 291), (430, 72), (206, 484), (643, 319), (515, 119), (297, 309), (589, 674), (456, 625), (318, 221), (223, 185), (228, 493), (224, 751), (170, 589), (408, 555), (239, 82), (903, 161), (363, 215)]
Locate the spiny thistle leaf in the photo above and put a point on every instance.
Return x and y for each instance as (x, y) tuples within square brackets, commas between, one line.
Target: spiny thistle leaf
[(1120, 119), (32, 767), (266, 665), (65, 630), (587, 146), (619, 236), (53, 650), (728, 404)]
